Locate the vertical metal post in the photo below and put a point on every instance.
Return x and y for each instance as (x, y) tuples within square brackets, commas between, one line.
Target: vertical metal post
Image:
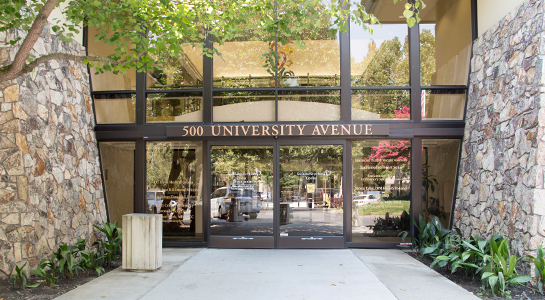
[(346, 97), (206, 188), (208, 82), (140, 97), (139, 175), (276, 194), (414, 63), (347, 191), (416, 179)]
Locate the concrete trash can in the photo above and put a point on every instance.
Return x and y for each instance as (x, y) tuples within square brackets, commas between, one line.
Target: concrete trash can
[(142, 242), (234, 214), (286, 214)]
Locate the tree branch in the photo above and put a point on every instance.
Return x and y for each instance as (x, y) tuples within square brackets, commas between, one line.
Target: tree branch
[(19, 61), (7, 73)]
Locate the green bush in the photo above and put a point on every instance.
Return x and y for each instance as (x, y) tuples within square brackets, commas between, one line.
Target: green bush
[(489, 260), (111, 248), (20, 279), (500, 270)]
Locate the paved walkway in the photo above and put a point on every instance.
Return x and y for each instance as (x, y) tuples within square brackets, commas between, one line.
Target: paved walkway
[(276, 274)]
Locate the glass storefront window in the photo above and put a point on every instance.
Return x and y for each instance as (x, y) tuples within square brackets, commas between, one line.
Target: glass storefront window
[(241, 203), (108, 81), (439, 166), (381, 196), (174, 188), (174, 107), (247, 61), (381, 58), (445, 42), (117, 160), (309, 106), (381, 105), (184, 71), (244, 106), (115, 109), (241, 64), (443, 104)]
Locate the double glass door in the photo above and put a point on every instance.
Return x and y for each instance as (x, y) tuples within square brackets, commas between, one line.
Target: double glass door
[(276, 196)]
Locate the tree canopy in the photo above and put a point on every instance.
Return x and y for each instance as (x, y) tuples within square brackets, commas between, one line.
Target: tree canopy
[(147, 33)]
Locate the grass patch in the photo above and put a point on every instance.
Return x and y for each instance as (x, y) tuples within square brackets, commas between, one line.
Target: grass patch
[(394, 207)]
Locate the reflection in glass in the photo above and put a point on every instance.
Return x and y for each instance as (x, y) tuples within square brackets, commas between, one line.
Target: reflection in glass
[(381, 104), (381, 58), (117, 159), (174, 107), (381, 196), (445, 42), (241, 65), (311, 197), (444, 104), (115, 109), (244, 106), (108, 81), (439, 165), (248, 62), (242, 184), (174, 188), (184, 71), (309, 105)]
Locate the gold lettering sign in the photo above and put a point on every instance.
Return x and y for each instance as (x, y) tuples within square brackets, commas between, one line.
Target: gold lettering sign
[(278, 130)]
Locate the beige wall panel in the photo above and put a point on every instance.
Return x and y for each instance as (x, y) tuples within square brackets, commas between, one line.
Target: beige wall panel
[(489, 12)]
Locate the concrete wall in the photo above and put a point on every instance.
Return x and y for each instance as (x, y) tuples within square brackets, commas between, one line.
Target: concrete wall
[(50, 182)]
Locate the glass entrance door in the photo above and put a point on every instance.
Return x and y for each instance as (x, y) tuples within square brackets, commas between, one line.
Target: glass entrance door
[(311, 196), (252, 207), (241, 204)]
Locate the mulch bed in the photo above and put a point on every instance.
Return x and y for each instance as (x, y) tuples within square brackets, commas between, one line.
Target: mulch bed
[(43, 292), (515, 292)]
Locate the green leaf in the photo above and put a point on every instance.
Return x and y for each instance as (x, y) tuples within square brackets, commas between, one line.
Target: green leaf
[(411, 22), (520, 279), (408, 14)]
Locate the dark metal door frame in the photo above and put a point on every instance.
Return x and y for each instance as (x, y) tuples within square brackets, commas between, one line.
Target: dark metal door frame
[(237, 241), (328, 242)]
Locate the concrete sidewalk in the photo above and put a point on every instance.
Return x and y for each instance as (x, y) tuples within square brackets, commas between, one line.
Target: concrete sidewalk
[(276, 274)]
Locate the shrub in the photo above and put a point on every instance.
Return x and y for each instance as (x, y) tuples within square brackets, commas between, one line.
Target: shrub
[(20, 279), (111, 248)]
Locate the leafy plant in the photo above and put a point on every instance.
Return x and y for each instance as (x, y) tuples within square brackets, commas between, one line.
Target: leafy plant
[(500, 271), (470, 256), (51, 278), (20, 279), (66, 257), (539, 262), (432, 237), (112, 246), (91, 261)]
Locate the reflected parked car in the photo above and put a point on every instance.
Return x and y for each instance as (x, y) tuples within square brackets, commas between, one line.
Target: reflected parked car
[(250, 202), (155, 201), (365, 199)]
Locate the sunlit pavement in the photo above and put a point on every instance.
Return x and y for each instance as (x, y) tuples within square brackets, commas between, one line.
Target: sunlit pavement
[(276, 274)]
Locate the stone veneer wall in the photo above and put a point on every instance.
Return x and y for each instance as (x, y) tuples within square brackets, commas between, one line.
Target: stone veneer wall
[(50, 183), (501, 185)]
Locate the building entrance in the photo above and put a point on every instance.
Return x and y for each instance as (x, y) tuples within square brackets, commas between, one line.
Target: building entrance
[(276, 196)]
